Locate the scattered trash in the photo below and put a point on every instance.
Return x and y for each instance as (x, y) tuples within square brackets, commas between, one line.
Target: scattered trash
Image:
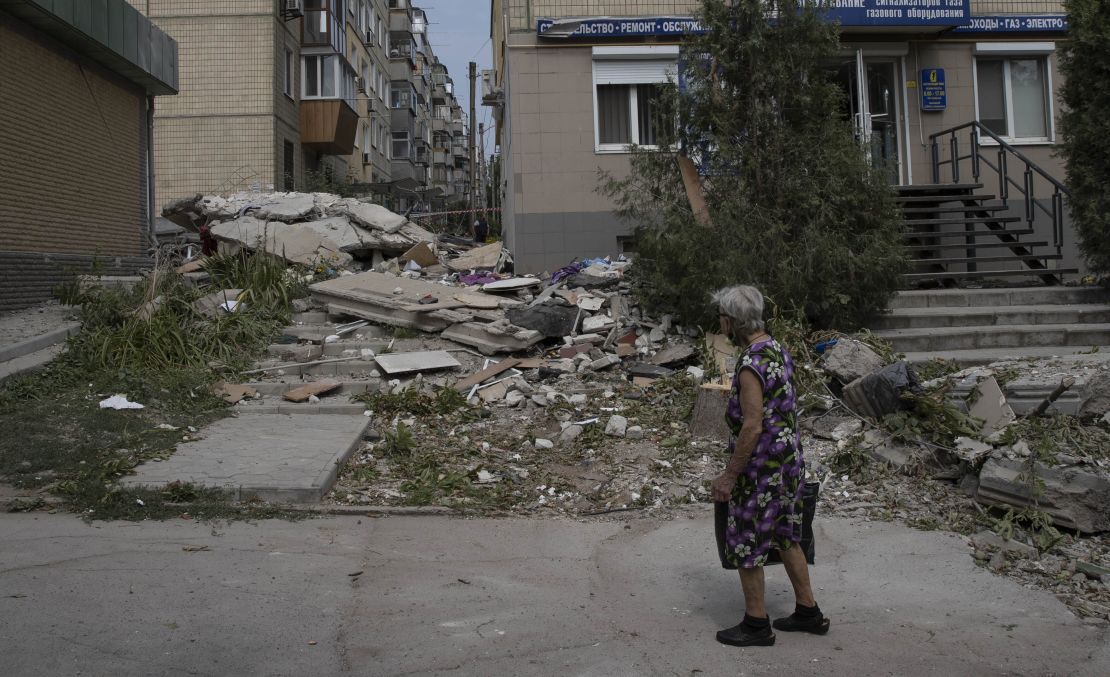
[(119, 402)]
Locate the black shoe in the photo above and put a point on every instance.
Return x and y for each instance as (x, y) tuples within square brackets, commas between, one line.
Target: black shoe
[(742, 635), (818, 625)]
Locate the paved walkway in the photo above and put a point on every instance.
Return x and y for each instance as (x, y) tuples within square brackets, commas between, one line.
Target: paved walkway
[(290, 458), (443, 596)]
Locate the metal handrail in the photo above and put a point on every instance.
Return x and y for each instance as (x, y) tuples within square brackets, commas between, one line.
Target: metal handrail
[(1005, 181)]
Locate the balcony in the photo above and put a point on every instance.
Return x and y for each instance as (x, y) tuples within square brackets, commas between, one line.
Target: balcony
[(328, 126), (400, 20), (459, 150), (439, 125), (440, 157)]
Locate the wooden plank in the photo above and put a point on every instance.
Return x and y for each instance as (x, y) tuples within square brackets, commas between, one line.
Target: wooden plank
[(302, 393), (489, 372), (694, 192), (531, 363)]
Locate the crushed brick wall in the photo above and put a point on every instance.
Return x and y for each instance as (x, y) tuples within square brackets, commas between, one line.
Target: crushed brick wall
[(72, 168)]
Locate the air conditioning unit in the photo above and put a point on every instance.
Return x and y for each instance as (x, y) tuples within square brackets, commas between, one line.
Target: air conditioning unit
[(292, 9), (360, 84)]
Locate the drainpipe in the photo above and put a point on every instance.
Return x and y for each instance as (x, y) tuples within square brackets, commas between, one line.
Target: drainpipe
[(150, 170)]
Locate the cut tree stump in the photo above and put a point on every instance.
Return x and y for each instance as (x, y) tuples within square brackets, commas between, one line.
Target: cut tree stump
[(709, 412)]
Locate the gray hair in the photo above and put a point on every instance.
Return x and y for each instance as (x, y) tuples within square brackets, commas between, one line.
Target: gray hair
[(744, 304)]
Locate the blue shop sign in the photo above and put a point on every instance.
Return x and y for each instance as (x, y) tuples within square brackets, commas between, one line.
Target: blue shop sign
[(940, 13), (934, 94), (1040, 23)]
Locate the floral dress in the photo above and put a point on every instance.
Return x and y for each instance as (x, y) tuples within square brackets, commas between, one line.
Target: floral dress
[(765, 510)]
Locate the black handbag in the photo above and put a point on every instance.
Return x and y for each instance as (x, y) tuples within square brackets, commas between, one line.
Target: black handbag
[(809, 507)]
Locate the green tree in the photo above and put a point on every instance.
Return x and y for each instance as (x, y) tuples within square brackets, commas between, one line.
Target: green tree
[(796, 208), (1085, 126)]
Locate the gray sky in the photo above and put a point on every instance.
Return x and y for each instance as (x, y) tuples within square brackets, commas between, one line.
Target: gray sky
[(459, 33)]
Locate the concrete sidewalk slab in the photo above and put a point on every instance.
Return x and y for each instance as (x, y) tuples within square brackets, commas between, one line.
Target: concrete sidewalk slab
[(460, 597), (287, 458)]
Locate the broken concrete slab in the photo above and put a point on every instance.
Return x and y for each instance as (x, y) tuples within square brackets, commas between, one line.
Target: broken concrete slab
[(849, 360), (512, 284), (551, 321), (288, 207), (308, 390), (648, 370), (407, 363), (991, 407), (369, 215), (485, 257), (305, 243), (273, 457), (1074, 497), (489, 339), (217, 302), (1095, 397), (675, 354), (604, 363), (587, 281), (597, 323)]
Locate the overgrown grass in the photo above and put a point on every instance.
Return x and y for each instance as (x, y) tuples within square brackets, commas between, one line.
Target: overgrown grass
[(163, 353)]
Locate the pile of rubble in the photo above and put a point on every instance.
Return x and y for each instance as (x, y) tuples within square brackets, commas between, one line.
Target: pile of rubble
[(556, 394)]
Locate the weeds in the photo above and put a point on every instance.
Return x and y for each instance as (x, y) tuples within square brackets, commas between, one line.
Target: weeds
[(412, 402), (399, 442)]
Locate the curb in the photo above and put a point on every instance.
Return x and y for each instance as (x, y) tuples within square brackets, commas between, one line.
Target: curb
[(37, 343)]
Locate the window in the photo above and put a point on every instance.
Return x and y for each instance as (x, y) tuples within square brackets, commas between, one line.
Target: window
[(1013, 90), (366, 83), (320, 75), (401, 98), (366, 142), (626, 94), (401, 146), (287, 86)]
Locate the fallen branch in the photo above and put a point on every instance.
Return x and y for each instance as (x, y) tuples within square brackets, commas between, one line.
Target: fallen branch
[(1065, 383)]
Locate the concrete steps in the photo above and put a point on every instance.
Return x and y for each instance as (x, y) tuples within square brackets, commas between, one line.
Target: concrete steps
[(979, 326)]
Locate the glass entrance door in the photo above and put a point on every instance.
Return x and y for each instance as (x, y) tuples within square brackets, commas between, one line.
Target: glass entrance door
[(872, 104)]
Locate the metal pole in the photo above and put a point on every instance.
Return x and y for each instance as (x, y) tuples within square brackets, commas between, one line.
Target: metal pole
[(483, 177), (470, 135)]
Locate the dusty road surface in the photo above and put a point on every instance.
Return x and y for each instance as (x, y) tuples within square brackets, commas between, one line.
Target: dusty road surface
[(443, 596)]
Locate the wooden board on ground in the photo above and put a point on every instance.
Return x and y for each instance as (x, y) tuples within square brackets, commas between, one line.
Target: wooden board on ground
[(428, 360), (489, 372), (232, 393), (708, 419), (420, 254), (531, 363), (306, 391)]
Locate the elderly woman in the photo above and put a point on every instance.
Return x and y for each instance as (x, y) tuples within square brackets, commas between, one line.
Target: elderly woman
[(764, 478)]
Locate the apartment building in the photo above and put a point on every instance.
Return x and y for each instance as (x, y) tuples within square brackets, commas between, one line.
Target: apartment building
[(76, 140), (280, 94), (572, 78)]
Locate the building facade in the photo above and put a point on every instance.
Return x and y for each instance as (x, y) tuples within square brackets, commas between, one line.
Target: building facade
[(76, 141), (281, 95), (570, 76)]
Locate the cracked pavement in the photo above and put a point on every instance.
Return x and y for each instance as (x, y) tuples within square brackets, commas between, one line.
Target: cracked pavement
[(451, 596)]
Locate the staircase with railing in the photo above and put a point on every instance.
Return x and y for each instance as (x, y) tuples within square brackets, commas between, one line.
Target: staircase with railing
[(956, 231)]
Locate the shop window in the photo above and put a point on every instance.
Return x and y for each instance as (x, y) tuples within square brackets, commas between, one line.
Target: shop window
[(627, 85), (1013, 96)]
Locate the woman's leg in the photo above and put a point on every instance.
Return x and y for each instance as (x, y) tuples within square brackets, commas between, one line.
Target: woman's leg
[(751, 580), (798, 571)]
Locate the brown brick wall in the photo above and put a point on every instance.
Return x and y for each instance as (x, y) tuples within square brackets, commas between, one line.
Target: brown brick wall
[(71, 161)]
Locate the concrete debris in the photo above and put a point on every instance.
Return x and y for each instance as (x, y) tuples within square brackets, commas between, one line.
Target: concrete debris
[(1096, 397), (848, 360), (225, 300), (1075, 498), (617, 426), (406, 363), (550, 320), (991, 407), (486, 257)]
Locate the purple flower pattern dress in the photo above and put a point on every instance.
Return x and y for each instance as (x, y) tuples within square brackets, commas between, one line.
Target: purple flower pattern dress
[(765, 510)]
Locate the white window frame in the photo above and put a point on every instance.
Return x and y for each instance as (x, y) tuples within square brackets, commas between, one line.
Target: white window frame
[(663, 53), (290, 73), (1007, 51)]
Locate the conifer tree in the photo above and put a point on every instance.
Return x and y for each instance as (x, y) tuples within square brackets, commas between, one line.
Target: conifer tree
[(1086, 127)]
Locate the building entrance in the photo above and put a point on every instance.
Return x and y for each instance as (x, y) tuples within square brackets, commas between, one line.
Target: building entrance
[(873, 105)]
